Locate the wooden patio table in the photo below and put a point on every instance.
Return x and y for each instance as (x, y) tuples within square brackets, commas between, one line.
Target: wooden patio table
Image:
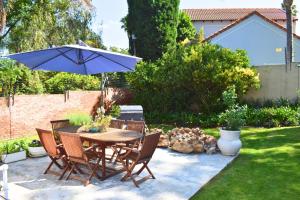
[(105, 139)]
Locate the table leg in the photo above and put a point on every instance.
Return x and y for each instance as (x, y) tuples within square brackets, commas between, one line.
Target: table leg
[(103, 163)]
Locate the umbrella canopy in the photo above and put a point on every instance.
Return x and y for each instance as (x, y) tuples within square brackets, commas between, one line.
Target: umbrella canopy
[(76, 59)]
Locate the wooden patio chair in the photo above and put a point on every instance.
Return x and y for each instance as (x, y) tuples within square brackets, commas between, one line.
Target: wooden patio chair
[(56, 124), (77, 155), (117, 123), (138, 126), (134, 156), (54, 151)]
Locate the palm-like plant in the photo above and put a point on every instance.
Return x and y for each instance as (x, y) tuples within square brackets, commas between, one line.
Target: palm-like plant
[(288, 7)]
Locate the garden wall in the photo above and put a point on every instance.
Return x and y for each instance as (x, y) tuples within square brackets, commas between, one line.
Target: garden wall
[(35, 111), (276, 82)]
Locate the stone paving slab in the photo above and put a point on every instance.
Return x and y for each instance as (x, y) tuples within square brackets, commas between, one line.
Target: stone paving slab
[(178, 176)]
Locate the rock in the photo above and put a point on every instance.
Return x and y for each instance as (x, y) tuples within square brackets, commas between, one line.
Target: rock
[(164, 141), (211, 150), (198, 148), (187, 140), (182, 147)]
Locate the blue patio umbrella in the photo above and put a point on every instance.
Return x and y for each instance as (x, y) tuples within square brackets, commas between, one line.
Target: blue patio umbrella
[(76, 59)]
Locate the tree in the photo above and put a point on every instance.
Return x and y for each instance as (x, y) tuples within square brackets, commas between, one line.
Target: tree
[(2, 16), (185, 27), (288, 7), (151, 27), (52, 23)]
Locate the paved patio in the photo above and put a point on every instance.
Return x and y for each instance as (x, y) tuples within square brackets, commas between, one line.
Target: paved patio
[(178, 176)]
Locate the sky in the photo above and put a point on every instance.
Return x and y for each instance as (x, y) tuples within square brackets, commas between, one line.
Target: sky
[(110, 12)]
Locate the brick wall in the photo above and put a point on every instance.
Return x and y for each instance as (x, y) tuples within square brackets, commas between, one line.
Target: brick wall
[(36, 111)]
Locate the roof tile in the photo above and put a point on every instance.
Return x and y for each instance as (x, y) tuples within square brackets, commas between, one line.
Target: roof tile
[(217, 14)]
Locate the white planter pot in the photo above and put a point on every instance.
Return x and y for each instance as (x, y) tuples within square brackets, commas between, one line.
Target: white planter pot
[(13, 157), (229, 143), (36, 151)]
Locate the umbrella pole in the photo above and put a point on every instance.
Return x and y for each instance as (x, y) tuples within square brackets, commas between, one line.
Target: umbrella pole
[(102, 89)]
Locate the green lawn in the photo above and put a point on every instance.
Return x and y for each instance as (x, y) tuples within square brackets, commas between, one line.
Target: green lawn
[(268, 167)]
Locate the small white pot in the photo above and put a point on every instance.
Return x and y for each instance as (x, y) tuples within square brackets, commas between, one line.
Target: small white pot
[(13, 157), (36, 151), (229, 143)]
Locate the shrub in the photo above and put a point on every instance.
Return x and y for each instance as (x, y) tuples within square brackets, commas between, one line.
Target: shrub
[(65, 81), (191, 79), (12, 147), (115, 111), (35, 143), (272, 117), (182, 119), (235, 116), (79, 118)]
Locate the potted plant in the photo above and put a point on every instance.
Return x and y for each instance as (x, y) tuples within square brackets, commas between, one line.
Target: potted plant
[(99, 124), (232, 120), (36, 149), (12, 152)]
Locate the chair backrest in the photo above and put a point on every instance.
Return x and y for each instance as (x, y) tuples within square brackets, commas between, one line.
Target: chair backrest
[(60, 123), (138, 126), (56, 124), (149, 145), (48, 141), (117, 123), (73, 146)]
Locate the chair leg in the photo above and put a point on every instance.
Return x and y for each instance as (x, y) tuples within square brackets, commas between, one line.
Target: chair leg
[(142, 168), (128, 169), (57, 164), (49, 166), (93, 171), (149, 171), (78, 169), (71, 170), (64, 172)]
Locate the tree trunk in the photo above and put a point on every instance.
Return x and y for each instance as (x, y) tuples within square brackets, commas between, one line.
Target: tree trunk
[(2, 16), (289, 26)]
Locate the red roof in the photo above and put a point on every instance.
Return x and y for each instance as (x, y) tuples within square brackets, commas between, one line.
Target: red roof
[(244, 18), (217, 14)]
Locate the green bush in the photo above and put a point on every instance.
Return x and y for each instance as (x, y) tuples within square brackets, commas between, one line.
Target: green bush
[(272, 117), (79, 118), (12, 147), (66, 81), (182, 119), (35, 143), (115, 111), (191, 79)]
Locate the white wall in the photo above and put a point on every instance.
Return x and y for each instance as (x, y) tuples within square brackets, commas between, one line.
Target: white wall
[(210, 27), (264, 42)]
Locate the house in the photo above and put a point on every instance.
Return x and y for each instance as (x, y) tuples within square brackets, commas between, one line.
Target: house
[(262, 33), (213, 20)]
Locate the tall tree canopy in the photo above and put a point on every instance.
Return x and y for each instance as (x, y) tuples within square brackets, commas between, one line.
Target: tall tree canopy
[(185, 28), (48, 22), (153, 25)]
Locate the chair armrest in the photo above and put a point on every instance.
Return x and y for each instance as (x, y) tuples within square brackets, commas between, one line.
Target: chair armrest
[(129, 150)]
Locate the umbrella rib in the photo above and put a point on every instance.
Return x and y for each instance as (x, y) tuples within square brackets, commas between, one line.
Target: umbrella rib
[(89, 57), (48, 60), (64, 55), (114, 61)]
